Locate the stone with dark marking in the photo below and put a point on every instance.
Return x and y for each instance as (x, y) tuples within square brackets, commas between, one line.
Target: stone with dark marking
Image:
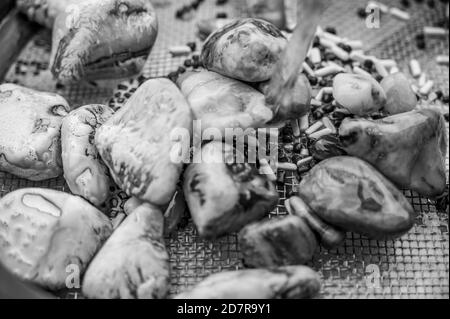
[(45, 235), (278, 241), (408, 148), (94, 40), (137, 144), (223, 196), (246, 49), (84, 170), (133, 263), (290, 282), (351, 195), (30, 123)]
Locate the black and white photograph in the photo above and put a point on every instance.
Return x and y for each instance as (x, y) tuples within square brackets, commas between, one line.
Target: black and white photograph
[(221, 154)]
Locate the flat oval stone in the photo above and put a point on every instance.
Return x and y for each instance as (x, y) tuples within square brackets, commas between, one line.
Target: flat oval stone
[(134, 262), (358, 94), (350, 194), (277, 242), (400, 96), (45, 232), (247, 50), (137, 145), (84, 170), (30, 123)]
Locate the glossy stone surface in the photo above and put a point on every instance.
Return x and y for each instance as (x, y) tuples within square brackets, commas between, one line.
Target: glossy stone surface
[(30, 123), (350, 194), (44, 233)]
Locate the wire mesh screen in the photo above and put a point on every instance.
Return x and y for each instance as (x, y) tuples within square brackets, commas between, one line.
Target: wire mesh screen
[(415, 266)]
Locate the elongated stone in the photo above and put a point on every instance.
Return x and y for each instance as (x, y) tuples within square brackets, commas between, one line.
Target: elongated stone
[(134, 262), (84, 170), (30, 123), (223, 194), (400, 96), (277, 242), (137, 144)]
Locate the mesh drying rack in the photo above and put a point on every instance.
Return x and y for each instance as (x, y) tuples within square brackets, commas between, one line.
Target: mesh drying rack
[(414, 266)]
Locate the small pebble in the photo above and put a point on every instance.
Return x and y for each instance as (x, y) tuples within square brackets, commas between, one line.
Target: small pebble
[(442, 59), (196, 64), (368, 64), (314, 128), (327, 98), (345, 47), (415, 68), (362, 12), (329, 56), (305, 161), (280, 177), (321, 133), (421, 45), (425, 90), (405, 3), (313, 80), (331, 30), (192, 45), (323, 82), (287, 166), (316, 42)]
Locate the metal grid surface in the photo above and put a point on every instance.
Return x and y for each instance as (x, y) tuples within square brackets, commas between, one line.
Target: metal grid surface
[(415, 266)]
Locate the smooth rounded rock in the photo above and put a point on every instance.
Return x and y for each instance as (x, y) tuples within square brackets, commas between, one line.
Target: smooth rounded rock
[(46, 235), (400, 96), (358, 94)]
